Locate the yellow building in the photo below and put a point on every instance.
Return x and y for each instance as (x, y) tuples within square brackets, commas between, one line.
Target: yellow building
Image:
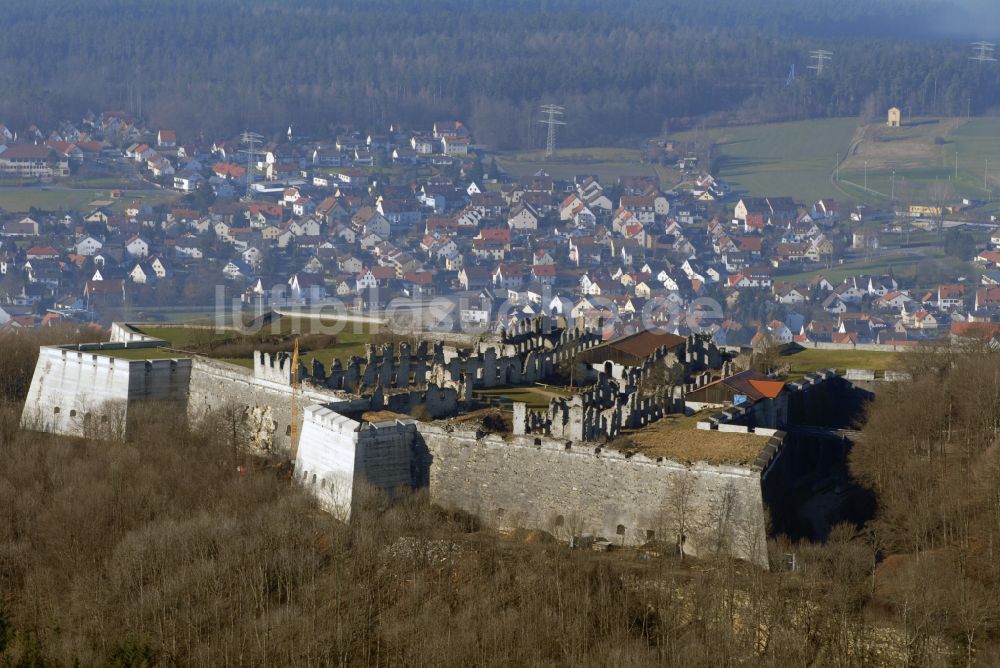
[(921, 210), (893, 120)]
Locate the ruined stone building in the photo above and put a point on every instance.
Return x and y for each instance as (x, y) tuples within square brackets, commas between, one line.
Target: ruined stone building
[(552, 470)]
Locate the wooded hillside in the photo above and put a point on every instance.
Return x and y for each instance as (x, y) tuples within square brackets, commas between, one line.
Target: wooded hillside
[(622, 70)]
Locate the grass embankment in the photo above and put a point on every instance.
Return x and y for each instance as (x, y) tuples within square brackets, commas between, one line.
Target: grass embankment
[(808, 360), (344, 340), (82, 201), (675, 437), (180, 336), (923, 151), (535, 396), (781, 159), (140, 353)]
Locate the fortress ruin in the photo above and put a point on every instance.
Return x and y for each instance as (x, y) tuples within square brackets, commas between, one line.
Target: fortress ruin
[(561, 469)]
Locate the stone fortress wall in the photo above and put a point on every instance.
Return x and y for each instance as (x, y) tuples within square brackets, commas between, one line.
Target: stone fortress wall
[(568, 489), (573, 489), (262, 405), (71, 382), (556, 478), (336, 454), (77, 388)]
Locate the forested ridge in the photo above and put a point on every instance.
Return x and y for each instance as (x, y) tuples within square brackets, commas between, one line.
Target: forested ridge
[(621, 69)]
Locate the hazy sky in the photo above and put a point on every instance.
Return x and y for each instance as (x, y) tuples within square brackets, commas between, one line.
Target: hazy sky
[(972, 18)]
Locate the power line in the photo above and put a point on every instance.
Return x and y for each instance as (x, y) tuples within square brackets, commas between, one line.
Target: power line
[(821, 56), (983, 52), (552, 113)]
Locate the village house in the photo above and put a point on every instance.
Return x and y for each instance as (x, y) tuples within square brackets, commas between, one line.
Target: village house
[(523, 217)]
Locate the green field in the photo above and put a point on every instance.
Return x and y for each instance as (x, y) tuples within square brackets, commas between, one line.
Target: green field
[(781, 159), (978, 143), (533, 395), (805, 361), (606, 163), (183, 336), (187, 317), (838, 272), (352, 339), (55, 199), (348, 343), (797, 158), (142, 354), (245, 362), (905, 162)]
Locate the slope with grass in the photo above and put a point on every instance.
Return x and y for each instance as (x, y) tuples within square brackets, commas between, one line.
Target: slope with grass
[(67, 199), (607, 163), (781, 159), (955, 153), (802, 361), (349, 338), (901, 261)]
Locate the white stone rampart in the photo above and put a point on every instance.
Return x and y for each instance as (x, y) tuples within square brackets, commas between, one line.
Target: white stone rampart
[(733, 428), (275, 368), (122, 332), (336, 453), (73, 385), (327, 458)]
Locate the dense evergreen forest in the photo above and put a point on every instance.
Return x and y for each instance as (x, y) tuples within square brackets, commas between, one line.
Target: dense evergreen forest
[(622, 69)]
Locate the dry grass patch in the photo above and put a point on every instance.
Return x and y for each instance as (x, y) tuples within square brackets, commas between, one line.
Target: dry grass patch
[(676, 438), (915, 145)]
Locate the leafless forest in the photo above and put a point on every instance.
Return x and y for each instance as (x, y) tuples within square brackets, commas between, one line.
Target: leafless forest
[(164, 550)]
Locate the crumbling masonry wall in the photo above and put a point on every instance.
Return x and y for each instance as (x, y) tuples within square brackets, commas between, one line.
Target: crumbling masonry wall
[(528, 353), (261, 405)]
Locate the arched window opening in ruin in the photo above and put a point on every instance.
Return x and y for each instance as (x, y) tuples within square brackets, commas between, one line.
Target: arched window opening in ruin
[(538, 441), (499, 512), (621, 530), (650, 534), (608, 366), (314, 479), (560, 520), (288, 430), (72, 413), (56, 410)]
